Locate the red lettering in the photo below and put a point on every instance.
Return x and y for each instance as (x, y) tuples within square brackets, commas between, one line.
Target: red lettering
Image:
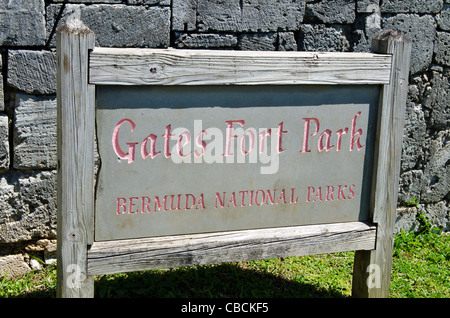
[(282, 196), (330, 190), (341, 192), (229, 136), (187, 201), (152, 153), (243, 193), (232, 200), (271, 197), (200, 143), (121, 204), (352, 193), (355, 132), (167, 136), (251, 138), (131, 151), (280, 133), (309, 192), (159, 205), (145, 206), (292, 196), (306, 132), (172, 208), (318, 194), (339, 133), (251, 198), (262, 138), (131, 145), (263, 197), (142, 204), (220, 200), (181, 146), (130, 211), (327, 146), (201, 201)]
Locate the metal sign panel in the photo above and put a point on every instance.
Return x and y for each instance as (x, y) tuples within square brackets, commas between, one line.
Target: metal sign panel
[(184, 160)]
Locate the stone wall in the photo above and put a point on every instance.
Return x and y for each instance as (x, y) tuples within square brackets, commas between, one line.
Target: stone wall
[(28, 87)]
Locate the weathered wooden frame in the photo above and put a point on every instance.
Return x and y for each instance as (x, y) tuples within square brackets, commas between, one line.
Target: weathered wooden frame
[(81, 66)]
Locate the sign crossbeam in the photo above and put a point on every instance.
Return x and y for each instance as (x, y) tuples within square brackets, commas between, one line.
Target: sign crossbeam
[(129, 66)]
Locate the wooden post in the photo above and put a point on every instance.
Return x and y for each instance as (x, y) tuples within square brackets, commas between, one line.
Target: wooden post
[(372, 269), (75, 120)]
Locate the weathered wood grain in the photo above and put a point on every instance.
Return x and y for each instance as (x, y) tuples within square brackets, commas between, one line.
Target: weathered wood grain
[(129, 66), (376, 265), (198, 249), (76, 128)]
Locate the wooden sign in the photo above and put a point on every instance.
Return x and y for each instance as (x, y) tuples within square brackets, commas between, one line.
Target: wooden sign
[(217, 156), (179, 160)]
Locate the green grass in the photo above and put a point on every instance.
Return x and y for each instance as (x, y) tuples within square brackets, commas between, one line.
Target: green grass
[(421, 266), (421, 269)]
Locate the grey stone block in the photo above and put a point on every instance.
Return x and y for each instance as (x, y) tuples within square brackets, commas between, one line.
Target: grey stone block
[(33, 72), (205, 41), (132, 2), (437, 101), (258, 42), (184, 15), (367, 6), (366, 27), (286, 41), (338, 11), (27, 206), (322, 38), (411, 186), (117, 25), (4, 143), (421, 30), (35, 132), (2, 96), (442, 48), (361, 43), (250, 15), (406, 220), (444, 18), (147, 2), (414, 134), (13, 266), (96, 1), (22, 23), (416, 89), (438, 214), (411, 6), (127, 26), (437, 170)]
